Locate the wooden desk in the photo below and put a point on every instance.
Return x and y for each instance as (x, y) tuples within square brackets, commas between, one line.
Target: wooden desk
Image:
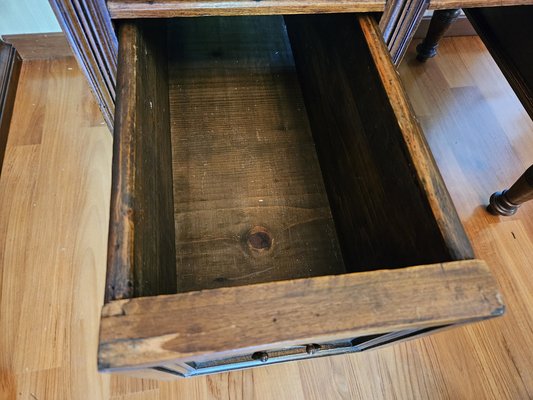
[(88, 25), (144, 131)]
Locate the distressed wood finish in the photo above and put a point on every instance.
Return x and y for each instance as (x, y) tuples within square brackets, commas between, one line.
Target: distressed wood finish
[(420, 155), (141, 258), (89, 30), (487, 141), (125, 9), (449, 4), (254, 233), (250, 204), (10, 64), (398, 178), (191, 8), (147, 331)]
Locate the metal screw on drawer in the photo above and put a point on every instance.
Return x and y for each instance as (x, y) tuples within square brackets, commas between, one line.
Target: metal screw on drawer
[(260, 355), (312, 348)]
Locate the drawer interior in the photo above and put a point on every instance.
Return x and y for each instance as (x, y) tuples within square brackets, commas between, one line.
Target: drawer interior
[(275, 162), (249, 199), (266, 148)]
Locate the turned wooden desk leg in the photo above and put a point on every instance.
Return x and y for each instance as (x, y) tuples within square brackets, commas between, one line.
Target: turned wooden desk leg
[(440, 22), (507, 202)]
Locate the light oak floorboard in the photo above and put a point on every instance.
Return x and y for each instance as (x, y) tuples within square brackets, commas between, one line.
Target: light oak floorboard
[(54, 197), (53, 220)]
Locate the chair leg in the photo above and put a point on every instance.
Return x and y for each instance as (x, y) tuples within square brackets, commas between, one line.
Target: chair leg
[(440, 22), (507, 202)]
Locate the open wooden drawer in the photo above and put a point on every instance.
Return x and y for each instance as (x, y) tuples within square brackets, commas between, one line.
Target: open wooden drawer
[(273, 199)]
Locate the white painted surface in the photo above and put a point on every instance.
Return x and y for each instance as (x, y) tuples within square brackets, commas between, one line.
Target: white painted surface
[(27, 16)]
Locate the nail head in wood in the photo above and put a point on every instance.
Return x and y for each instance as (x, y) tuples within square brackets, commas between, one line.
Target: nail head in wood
[(312, 348), (261, 356)]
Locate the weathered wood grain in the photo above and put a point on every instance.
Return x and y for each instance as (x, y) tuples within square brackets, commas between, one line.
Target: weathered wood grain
[(388, 200), (250, 204), (420, 156), (90, 33), (10, 64), (141, 255), (189, 8), (146, 331), (481, 141), (449, 4)]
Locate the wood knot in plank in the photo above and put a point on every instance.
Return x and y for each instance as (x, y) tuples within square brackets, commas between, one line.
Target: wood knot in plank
[(259, 240)]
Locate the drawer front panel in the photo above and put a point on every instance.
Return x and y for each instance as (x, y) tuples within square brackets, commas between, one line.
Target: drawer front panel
[(232, 324)]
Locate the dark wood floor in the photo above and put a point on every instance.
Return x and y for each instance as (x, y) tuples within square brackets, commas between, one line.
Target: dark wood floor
[(54, 196)]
